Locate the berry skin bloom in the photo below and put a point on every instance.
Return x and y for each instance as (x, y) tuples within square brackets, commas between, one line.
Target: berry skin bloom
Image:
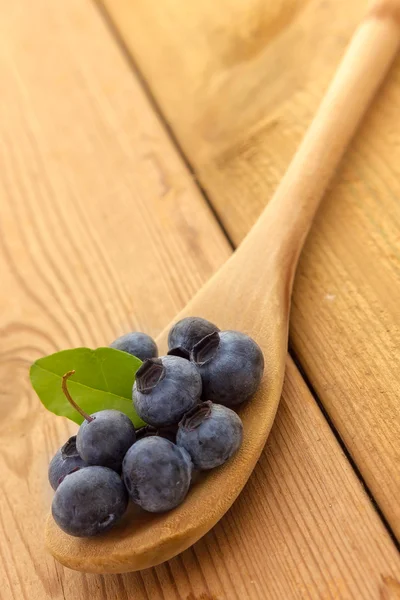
[(139, 344), (64, 461), (166, 388), (231, 365), (211, 434), (89, 501), (157, 474)]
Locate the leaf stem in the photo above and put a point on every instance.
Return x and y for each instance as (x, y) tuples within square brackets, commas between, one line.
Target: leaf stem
[(80, 410)]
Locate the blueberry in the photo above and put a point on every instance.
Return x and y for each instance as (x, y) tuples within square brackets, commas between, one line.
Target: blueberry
[(211, 434), (187, 332), (89, 501), (64, 461), (165, 388), (139, 344), (157, 474), (105, 438), (231, 365)]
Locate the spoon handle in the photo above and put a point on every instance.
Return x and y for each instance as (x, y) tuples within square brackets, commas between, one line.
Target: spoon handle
[(289, 214)]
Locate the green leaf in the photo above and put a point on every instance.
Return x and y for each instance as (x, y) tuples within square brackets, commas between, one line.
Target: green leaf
[(103, 379)]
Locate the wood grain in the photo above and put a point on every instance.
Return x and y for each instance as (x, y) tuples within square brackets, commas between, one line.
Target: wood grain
[(103, 229), (239, 82), (251, 292)]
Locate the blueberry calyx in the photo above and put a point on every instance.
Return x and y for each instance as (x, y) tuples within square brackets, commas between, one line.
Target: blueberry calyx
[(195, 416), (149, 375), (62, 463), (69, 449), (179, 351), (188, 331), (107, 520), (205, 349)]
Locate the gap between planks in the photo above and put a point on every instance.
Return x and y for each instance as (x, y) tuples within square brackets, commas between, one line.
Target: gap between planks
[(155, 106)]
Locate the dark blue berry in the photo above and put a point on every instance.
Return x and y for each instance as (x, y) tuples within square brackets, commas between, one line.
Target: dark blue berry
[(139, 344), (231, 365), (157, 474), (211, 434), (188, 331), (89, 501), (64, 461), (105, 438), (165, 388)]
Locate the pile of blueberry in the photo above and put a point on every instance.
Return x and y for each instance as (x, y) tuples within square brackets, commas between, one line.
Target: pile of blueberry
[(185, 398)]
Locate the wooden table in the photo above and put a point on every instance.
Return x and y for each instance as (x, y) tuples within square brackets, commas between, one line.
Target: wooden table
[(139, 142)]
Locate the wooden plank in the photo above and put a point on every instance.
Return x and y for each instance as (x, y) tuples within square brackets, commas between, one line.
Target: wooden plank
[(239, 82), (103, 229)]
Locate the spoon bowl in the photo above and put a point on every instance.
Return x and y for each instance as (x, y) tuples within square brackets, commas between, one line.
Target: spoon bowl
[(251, 293), (144, 539)]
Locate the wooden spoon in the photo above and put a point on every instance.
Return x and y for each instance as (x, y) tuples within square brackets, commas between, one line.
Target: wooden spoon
[(251, 293)]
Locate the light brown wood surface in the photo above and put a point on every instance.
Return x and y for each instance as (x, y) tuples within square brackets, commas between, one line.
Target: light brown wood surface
[(103, 229), (239, 81), (251, 292)]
